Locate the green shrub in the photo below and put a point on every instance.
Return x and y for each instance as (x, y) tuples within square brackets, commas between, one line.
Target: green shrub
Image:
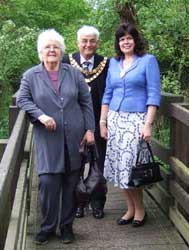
[(18, 52), (170, 83)]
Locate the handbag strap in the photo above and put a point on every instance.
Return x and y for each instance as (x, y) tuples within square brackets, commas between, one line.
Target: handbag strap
[(140, 149), (93, 151)]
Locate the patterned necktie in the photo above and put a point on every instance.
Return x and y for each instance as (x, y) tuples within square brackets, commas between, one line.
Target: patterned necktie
[(85, 65)]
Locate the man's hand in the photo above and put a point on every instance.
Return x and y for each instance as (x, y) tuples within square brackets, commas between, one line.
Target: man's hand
[(88, 138)]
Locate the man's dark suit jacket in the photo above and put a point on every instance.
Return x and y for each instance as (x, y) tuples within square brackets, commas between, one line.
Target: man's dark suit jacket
[(97, 90)]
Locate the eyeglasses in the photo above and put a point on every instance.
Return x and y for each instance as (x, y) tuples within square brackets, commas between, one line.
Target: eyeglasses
[(88, 41)]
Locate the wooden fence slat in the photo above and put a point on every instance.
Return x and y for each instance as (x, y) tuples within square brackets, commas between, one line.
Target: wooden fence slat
[(162, 197), (14, 98), (3, 144), (161, 151), (27, 148), (17, 210), (16, 235), (180, 222), (166, 99), (180, 195), (179, 112), (180, 170), (9, 171), (13, 113)]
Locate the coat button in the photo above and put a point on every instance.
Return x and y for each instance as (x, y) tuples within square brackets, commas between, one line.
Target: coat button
[(61, 110)]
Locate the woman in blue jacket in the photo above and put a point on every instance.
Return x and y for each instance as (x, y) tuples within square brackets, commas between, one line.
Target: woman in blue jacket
[(129, 104)]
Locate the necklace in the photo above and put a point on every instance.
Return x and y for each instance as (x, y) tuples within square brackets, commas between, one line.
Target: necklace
[(93, 74)]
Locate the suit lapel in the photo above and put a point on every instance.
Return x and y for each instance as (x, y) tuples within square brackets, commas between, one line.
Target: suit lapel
[(133, 66), (76, 56), (97, 60)]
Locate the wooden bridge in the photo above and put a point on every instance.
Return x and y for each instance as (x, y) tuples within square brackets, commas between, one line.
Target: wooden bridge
[(17, 182)]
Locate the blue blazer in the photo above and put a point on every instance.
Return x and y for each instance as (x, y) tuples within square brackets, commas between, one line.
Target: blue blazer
[(134, 89)]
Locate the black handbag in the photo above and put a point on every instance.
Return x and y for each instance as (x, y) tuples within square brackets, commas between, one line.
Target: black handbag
[(145, 173), (94, 181)]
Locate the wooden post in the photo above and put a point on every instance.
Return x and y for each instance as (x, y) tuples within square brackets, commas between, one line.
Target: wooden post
[(3, 144), (179, 161), (13, 113)]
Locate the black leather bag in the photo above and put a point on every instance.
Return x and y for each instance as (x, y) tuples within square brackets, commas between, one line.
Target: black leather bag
[(94, 181), (145, 173)]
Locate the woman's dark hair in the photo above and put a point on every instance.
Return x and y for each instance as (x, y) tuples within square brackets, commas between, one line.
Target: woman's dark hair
[(126, 28)]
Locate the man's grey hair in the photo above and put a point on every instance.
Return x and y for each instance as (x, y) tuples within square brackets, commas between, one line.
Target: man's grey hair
[(47, 35), (88, 30)]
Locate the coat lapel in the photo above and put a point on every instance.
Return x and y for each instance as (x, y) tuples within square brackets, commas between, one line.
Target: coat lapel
[(61, 75), (47, 82), (44, 77), (133, 66)]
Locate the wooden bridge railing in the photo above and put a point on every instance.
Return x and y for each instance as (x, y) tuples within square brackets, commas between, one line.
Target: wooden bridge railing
[(16, 154), (15, 169), (173, 193)]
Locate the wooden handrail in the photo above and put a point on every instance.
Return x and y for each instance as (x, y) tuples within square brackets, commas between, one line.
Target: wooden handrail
[(9, 171)]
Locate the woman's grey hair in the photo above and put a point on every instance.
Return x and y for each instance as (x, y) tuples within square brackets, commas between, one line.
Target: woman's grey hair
[(46, 35), (87, 31)]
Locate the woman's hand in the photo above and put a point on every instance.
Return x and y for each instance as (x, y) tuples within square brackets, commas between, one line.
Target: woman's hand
[(48, 122), (103, 131), (146, 132), (88, 138)]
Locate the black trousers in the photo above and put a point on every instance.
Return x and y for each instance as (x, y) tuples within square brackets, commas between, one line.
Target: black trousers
[(57, 198)]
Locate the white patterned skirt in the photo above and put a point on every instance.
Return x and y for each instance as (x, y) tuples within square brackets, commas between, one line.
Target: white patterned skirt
[(122, 146)]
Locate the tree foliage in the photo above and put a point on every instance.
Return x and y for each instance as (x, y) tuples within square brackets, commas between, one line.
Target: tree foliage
[(20, 22), (164, 23), (44, 14), (17, 49)]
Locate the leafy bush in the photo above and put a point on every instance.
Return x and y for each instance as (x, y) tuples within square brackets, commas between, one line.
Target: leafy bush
[(170, 83), (18, 52)]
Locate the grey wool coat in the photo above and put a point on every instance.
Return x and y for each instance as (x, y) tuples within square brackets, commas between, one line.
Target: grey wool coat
[(71, 108)]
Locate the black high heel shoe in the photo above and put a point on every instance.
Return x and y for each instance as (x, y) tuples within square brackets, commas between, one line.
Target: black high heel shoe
[(122, 221), (139, 223)]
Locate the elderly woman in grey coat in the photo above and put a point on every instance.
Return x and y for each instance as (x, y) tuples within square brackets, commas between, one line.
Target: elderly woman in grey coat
[(58, 102)]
